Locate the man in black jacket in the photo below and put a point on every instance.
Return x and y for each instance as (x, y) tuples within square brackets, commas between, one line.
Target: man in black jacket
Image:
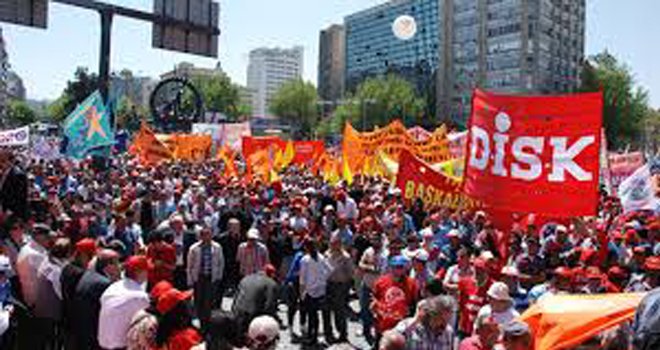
[(257, 295), (87, 300), (72, 272)]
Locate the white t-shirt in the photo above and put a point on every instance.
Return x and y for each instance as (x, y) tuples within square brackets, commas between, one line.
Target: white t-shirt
[(501, 318), (119, 303)]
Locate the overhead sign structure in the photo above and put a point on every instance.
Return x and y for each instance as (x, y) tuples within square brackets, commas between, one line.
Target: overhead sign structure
[(32, 13), (199, 38)]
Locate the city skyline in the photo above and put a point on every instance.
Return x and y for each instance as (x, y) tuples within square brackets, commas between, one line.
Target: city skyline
[(37, 55)]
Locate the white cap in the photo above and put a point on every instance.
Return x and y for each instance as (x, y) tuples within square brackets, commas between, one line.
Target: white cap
[(263, 330), (253, 233), (426, 233), (499, 291), (422, 255)]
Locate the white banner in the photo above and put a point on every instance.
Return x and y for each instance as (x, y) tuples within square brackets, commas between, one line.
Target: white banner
[(640, 191), (15, 137), (229, 134)]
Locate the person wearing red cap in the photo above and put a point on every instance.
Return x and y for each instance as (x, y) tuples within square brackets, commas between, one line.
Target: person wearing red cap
[(71, 274), (472, 295), (121, 301), (162, 256), (175, 329), (144, 325)]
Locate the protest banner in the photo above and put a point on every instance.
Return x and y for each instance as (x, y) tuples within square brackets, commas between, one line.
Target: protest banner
[(641, 190), (46, 148), (562, 322), (229, 134), (358, 147), (417, 179), (15, 137), (535, 154), (192, 147), (621, 166), (305, 152)]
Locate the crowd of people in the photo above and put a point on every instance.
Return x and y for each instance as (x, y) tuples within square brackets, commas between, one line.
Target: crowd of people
[(130, 256)]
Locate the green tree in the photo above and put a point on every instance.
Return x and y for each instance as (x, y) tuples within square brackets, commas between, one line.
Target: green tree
[(20, 114), (625, 104), (76, 91), (220, 95), (296, 103), (378, 101)]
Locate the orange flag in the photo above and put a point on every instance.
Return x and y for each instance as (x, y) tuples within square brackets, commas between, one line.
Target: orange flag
[(226, 155), (148, 148), (564, 321)]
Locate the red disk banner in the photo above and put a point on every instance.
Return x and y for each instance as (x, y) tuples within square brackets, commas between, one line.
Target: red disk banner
[(536, 154)]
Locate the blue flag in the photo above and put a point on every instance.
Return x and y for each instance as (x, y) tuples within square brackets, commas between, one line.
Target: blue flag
[(88, 127)]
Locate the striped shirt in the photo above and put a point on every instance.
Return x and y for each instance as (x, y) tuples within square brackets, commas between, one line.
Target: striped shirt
[(420, 338)]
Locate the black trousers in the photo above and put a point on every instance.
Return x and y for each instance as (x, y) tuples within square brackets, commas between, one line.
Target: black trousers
[(310, 307), (206, 293), (337, 309)]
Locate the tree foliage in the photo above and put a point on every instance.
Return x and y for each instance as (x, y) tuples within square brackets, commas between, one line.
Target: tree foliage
[(625, 104), (296, 103), (20, 114), (377, 102), (76, 91), (221, 95)]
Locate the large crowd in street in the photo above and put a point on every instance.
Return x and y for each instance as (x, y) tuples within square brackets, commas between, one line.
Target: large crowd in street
[(140, 257)]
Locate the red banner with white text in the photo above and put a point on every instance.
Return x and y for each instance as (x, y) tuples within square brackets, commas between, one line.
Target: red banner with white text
[(535, 154), (305, 152), (417, 179)]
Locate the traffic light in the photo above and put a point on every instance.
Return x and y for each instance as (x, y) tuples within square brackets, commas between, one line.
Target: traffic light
[(32, 13)]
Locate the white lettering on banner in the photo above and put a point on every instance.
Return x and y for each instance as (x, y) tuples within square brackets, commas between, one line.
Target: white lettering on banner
[(526, 151)]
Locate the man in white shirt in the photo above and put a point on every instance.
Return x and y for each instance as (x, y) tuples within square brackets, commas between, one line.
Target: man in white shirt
[(121, 301), (346, 207), (30, 258)]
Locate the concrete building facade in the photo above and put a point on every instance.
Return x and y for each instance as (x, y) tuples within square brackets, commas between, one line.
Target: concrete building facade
[(332, 59), (509, 46), (268, 70)]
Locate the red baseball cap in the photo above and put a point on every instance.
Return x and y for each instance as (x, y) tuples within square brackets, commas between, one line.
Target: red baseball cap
[(652, 263), (170, 299), (270, 271), (616, 272), (137, 263), (593, 272), (563, 272), (86, 246), (159, 289)]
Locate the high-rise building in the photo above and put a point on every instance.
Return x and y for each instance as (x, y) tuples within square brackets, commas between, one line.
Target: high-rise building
[(332, 59), (137, 89), (372, 49), (4, 74), (15, 87), (268, 70), (511, 46)]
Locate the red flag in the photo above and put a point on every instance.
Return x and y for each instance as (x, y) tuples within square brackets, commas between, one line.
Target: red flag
[(417, 179), (535, 154)]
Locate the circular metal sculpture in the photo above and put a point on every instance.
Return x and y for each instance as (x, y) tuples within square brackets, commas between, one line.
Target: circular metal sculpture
[(175, 105)]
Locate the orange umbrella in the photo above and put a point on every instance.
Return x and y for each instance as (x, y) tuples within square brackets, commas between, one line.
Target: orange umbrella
[(564, 321)]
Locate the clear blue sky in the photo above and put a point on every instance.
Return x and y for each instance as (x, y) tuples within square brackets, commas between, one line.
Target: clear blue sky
[(47, 58)]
